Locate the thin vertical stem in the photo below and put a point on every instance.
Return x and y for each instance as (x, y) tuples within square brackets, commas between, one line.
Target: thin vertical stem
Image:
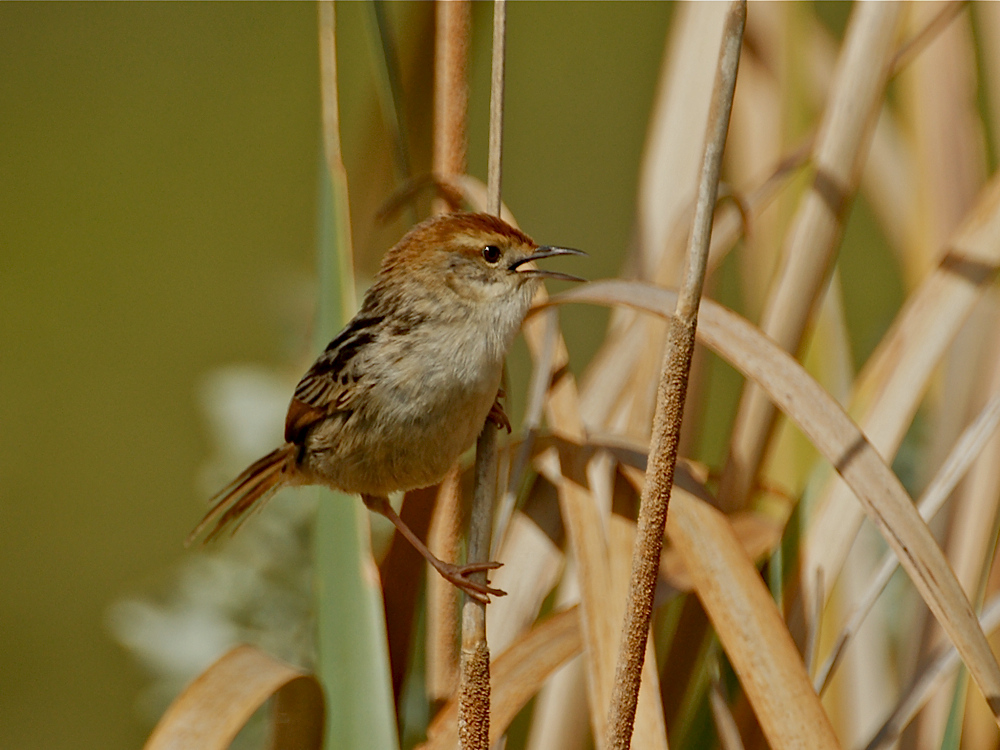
[(670, 398), (335, 160), (496, 106), (474, 696)]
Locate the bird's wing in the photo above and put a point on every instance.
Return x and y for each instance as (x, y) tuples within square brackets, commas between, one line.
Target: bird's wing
[(330, 385)]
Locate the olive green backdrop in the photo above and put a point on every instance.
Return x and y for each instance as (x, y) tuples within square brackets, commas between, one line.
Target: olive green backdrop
[(158, 172)]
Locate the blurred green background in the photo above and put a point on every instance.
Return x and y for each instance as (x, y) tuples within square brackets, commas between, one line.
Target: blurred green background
[(158, 172)]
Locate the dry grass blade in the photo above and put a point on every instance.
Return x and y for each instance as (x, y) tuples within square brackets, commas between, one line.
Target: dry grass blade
[(841, 145), (212, 709), (888, 391), (925, 684), (585, 527), (670, 397), (938, 108), (838, 438), (972, 537), (335, 157), (667, 187), (596, 549), (919, 41), (958, 462), (974, 514), (887, 178), (749, 626), (889, 173), (615, 365), (518, 673), (758, 535), (671, 163)]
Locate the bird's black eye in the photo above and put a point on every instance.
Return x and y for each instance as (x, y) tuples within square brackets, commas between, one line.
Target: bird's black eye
[(491, 253)]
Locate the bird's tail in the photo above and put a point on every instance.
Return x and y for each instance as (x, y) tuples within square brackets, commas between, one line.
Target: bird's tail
[(233, 504)]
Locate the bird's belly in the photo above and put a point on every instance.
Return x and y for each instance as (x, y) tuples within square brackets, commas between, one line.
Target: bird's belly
[(407, 434)]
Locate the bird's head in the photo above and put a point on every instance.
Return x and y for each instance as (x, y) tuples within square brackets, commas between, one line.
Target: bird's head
[(478, 257)]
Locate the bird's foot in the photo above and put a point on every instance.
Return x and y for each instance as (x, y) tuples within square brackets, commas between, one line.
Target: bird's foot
[(457, 575), (498, 416)]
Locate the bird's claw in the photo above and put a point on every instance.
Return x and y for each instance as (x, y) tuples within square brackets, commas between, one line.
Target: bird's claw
[(498, 416), (457, 575)]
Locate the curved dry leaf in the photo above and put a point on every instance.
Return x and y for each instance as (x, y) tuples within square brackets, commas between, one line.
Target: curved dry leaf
[(758, 536), (757, 533), (749, 626), (888, 391), (838, 438), (961, 457), (516, 675), (210, 711)]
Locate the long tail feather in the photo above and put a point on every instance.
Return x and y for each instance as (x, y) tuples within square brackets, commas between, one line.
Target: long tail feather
[(233, 504)]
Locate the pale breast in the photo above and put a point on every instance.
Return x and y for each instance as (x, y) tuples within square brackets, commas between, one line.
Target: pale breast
[(428, 402)]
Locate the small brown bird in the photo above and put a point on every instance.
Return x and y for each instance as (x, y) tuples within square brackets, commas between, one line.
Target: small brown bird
[(406, 387)]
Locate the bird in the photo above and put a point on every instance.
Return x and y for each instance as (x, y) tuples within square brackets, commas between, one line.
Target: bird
[(404, 389)]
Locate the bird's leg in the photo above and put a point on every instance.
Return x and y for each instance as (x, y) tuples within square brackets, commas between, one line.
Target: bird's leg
[(455, 574), (497, 415)]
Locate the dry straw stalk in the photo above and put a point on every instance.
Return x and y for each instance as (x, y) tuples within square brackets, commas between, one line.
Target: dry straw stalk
[(670, 398), (474, 681), (841, 145)]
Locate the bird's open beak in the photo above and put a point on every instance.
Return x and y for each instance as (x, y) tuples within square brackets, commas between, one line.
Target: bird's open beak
[(546, 251)]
